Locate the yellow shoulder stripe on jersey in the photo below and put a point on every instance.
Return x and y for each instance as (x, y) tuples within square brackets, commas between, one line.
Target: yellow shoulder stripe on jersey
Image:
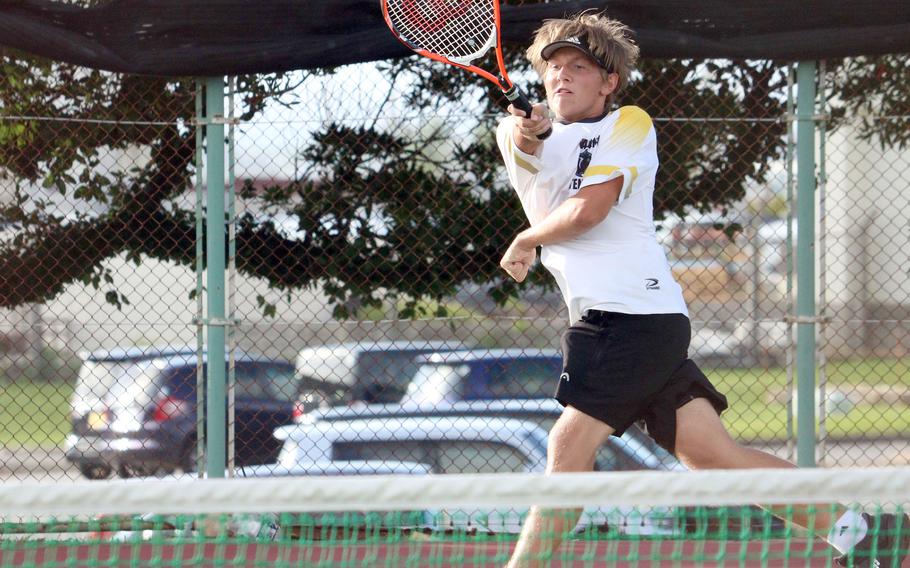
[(631, 128), (633, 173), (521, 162), (600, 170)]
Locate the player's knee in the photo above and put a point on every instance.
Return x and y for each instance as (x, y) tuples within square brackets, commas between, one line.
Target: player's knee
[(569, 461), (565, 452), (699, 454), (697, 458)]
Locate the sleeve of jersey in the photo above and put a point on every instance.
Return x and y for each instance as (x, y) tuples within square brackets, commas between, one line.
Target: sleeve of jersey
[(630, 150), (522, 167)]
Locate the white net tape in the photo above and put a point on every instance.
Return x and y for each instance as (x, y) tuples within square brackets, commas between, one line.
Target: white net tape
[(376, 493)]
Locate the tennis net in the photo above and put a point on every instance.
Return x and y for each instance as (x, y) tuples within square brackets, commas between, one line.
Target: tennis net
[(705, 518)]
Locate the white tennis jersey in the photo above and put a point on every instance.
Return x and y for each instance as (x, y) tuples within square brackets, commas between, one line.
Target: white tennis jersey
[(617, 265)]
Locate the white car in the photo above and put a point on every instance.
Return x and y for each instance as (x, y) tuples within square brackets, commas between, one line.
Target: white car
[(444, 444), (455, 444), (635, 450)]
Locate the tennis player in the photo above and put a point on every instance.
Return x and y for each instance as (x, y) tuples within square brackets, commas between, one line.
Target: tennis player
[(587, 191)]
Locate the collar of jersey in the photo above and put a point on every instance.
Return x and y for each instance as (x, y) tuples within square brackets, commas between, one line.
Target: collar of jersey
[(590, 120)]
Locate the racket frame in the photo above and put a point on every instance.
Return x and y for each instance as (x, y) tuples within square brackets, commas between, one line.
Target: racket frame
[(510, 90)]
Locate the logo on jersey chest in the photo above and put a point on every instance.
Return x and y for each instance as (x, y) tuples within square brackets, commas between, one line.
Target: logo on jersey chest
[(584, 160)]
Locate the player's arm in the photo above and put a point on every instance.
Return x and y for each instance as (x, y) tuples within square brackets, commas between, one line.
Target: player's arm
[(574, 217)]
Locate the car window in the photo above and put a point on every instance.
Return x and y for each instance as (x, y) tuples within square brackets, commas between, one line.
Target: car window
[(247, 383), (265, 381), (181, 381), (136, 387), (283, 383), (446, 456), (94, 383), (524, 378), (403, 451), (479, 457), (383, 376)]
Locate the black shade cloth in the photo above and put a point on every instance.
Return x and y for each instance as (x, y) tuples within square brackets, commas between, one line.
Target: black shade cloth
[(226, 37)]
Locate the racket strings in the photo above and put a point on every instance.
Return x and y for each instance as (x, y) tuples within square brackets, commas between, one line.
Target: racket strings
[(459, 30)]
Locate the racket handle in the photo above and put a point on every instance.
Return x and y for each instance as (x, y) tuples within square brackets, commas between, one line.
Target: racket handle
[(520, 101)]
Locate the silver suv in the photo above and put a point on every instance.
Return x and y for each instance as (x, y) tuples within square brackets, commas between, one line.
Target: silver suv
[(458, 444), (635, 450)]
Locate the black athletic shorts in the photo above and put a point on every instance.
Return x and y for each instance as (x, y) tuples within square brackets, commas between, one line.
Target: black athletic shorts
[(624, 368)]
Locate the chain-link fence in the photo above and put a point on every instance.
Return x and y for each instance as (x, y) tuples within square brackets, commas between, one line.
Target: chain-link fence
[(368, 226)]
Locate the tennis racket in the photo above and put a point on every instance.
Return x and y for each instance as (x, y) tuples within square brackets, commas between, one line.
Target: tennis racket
[(457, 32)]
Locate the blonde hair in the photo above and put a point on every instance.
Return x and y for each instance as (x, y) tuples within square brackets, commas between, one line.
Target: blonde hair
[(611, 40)]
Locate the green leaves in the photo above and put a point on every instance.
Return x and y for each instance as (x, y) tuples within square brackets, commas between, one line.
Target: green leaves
[(874, 90), (398, 207)]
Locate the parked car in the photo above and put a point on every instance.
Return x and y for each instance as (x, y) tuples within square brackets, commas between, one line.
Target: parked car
[(371, 371), (484, 374), (101, 369), (634, 450), (141, 417), (444, 444), (461, 444)]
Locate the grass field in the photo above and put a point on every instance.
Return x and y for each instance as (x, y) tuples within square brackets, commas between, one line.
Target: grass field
[(34, 414), (865, 389), (37, 414)]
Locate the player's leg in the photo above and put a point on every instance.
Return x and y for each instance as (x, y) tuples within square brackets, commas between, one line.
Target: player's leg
[(702, 442), (614, 363), (572, 446)]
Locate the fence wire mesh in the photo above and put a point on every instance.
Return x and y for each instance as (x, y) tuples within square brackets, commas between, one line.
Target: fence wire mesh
[(370, 214)]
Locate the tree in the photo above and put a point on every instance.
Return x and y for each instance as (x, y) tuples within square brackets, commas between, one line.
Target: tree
[(380, 216)]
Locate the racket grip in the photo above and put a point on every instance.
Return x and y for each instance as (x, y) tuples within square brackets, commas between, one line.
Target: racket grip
[(520, 101)]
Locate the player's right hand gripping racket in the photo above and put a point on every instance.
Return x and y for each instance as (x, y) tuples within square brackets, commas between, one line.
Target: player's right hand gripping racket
[(457, 32)]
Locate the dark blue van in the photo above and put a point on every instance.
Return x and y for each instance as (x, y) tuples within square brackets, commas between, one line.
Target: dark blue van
[(134, 411), (484, 374)]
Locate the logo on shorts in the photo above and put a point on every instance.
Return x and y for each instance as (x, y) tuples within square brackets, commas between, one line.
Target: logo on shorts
[(564, 376), (652, 284)]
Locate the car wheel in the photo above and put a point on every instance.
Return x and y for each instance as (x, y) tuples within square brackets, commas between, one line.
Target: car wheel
[(95, 471), (127, 470)]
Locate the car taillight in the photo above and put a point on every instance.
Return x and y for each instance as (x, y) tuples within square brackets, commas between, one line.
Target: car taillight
[(98, 420), (299, 410), (169, 407)]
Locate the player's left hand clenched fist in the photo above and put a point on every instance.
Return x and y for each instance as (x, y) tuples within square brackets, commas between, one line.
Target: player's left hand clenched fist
[(518, 259)]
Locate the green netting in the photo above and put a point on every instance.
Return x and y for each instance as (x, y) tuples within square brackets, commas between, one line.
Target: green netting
[(636, 518), (648, 536)]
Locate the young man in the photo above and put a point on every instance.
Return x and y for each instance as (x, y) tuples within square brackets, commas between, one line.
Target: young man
[(587, 191)]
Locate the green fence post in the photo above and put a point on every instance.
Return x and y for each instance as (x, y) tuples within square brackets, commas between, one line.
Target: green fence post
[(216, 414), (199, 319), (805, 264)]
